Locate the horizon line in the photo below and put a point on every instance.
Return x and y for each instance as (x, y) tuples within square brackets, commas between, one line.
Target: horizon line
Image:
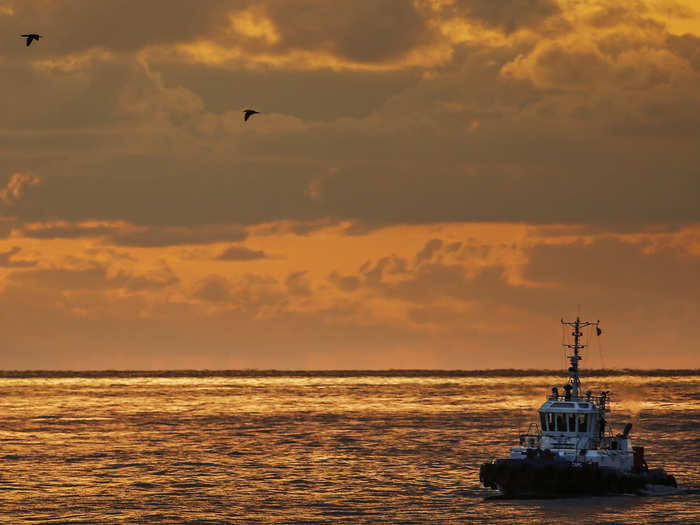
[(416, 372)]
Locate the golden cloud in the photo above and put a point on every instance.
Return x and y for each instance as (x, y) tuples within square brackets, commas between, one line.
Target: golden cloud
[(14, 189)]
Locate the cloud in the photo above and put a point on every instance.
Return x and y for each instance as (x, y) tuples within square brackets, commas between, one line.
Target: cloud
[(241, 253), (91, 276), (615, 265), (16, 186), (654, 276), (257, 296), (426, 282), (160, 143), (365, 31), (428, 250), (74, 25), (472, 304), (119, 233), (687, 47), (353, 94), (505, 16), (150, 237), (346, 283), (65, 230), (298, 284), (269, 32), (213, 289), (7, 259), (379, 120), (291, 227)]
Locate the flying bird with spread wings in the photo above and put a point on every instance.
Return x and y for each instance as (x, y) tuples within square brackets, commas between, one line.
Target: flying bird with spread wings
[(248, 113), (30, 37)]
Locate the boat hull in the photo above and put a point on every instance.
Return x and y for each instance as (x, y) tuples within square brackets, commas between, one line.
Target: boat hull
[(521, 478)]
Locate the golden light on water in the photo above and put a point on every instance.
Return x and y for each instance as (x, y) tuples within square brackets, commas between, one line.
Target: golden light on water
[(323, 447)]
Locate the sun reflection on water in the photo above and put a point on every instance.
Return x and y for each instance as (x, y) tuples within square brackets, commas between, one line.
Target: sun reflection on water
[(320, 449)]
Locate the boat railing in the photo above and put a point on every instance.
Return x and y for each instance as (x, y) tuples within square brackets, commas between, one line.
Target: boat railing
[(603, 440), (530, 438), (602, 401)]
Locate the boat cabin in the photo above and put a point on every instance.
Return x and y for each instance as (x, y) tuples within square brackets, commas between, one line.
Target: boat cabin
[(568, 416), (571, 424)]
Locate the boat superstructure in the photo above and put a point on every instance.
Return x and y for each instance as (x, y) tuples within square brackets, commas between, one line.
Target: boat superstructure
[(572, 450)]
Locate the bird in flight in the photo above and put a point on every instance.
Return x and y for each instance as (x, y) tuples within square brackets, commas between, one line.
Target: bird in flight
[(30, 37), (248, 113)]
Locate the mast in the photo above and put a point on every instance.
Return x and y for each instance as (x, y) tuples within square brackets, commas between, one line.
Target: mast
[(577, 325)]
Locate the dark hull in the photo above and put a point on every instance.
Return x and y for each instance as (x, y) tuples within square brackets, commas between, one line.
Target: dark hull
[(521, 478)]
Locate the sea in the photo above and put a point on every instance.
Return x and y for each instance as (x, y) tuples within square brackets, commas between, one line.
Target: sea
[(210, 447)]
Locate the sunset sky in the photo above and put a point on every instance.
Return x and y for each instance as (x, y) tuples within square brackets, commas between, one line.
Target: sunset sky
[(430, 183)]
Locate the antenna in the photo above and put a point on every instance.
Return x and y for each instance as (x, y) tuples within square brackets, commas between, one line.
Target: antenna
[(577, 325)]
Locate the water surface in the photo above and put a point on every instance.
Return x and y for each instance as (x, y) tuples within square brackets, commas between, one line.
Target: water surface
[(250, 447)]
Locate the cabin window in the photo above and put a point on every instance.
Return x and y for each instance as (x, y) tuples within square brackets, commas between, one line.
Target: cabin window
[(583, 422), (550, 421), (543, 421), (561, 422), (572, 422)]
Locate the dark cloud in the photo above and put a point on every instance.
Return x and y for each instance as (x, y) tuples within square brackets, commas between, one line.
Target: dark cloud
[(241, 253), (497, 135), (73, 103), (618, 15), (151, 281), (687, 47), (129, 235), (300, 228), (213, 289), (558, 65), (619, 267), (64, 231), (611, 186), (6, 226), (298, 284), (609, 195), (174, 236), (610, 277), (436, 282), (453, 247), (426, 282), (170, 202), (369, 274), (344, 93), (92, 276), (374, 275), (507, 16), (432, 246), (347, 283), (121, 25), (365, 31), (362, 227), (252, 294), (7, 259)]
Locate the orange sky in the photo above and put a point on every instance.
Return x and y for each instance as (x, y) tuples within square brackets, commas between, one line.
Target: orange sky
[(430, 184)]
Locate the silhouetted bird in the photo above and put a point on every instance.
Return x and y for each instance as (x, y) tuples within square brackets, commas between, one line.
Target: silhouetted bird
[(30, 37), (248, 113)]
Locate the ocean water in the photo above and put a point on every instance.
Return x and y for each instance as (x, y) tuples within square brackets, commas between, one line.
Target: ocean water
[(251, 447)]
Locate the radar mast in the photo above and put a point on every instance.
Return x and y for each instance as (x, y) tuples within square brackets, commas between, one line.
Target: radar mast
[(574, 358)]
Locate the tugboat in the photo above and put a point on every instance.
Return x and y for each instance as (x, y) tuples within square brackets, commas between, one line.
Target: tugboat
[(571, 451)]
